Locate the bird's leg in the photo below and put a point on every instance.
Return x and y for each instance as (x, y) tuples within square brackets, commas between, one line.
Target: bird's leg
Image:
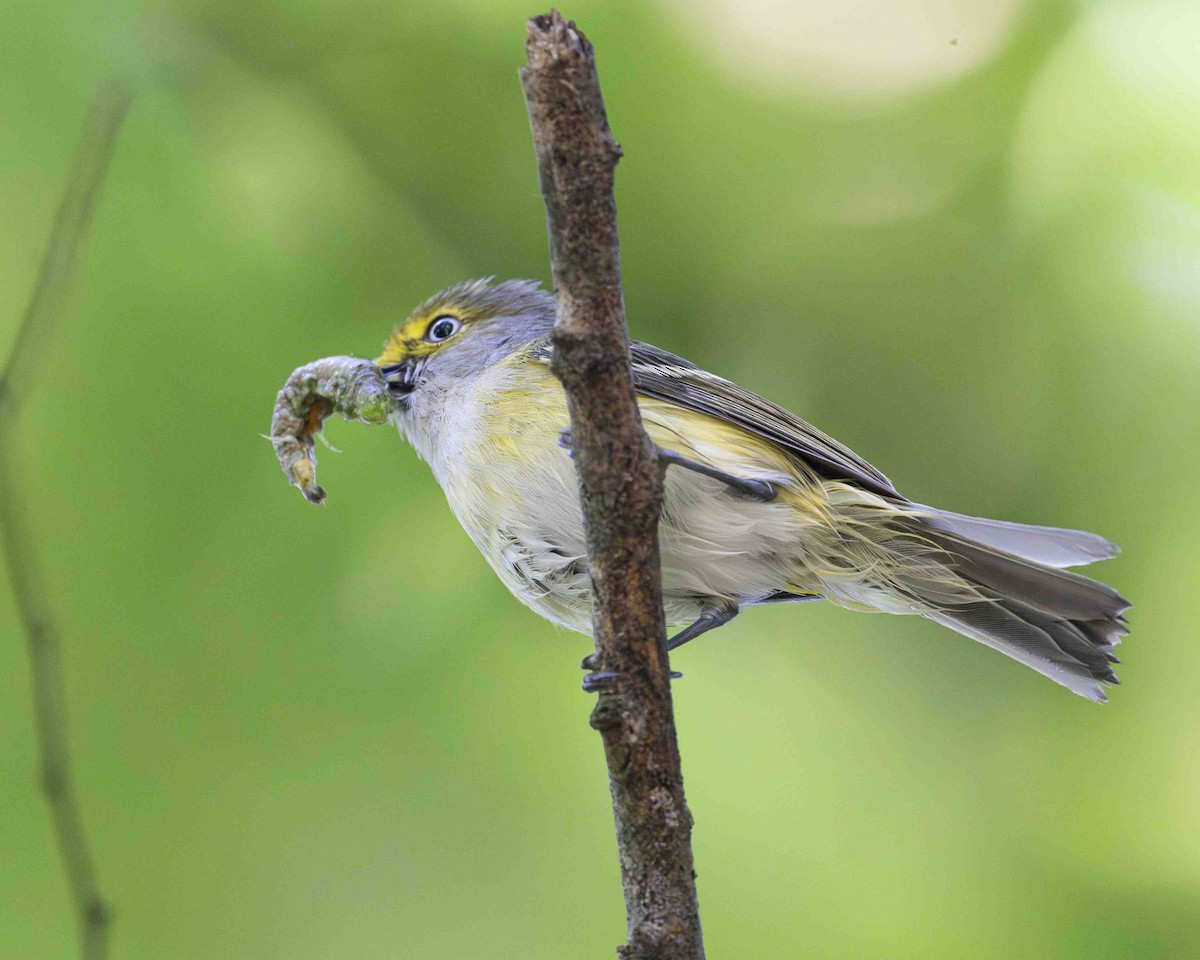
[(785, 596), (714, 613), (762, 490)]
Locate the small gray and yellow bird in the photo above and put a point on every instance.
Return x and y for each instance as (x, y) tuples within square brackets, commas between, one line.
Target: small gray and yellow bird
[(760, 507)]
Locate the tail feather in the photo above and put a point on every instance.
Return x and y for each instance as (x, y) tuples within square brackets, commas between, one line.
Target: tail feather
[(1057, 591), (1061, 624), (1052, 546)]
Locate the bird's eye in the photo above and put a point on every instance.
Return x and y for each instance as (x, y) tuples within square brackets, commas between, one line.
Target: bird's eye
[(443, 328)]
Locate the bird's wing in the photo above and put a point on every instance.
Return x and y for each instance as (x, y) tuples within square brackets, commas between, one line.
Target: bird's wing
[(657, 373)]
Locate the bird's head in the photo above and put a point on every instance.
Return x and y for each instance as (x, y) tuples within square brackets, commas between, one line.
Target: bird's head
[(465, 329)]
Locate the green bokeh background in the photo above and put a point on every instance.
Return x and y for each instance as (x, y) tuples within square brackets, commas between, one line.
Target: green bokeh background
[(306, 733)]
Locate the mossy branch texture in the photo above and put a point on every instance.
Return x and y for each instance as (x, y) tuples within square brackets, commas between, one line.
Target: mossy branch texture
[(621, 491), (46, 308)]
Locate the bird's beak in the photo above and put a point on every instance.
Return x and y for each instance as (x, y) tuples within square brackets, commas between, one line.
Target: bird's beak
[(401, 377)]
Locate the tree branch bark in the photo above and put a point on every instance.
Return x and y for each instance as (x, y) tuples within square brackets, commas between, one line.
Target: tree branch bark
[(109, 106), (621, 491)]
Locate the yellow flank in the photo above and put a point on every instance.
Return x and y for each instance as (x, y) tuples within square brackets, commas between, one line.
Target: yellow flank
[(517, 420), (523, 418)]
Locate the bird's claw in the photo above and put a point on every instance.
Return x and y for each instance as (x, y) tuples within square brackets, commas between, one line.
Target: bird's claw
[(565, 441), (598, 680)]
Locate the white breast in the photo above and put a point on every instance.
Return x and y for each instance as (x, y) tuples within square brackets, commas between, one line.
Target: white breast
[(492, 445)]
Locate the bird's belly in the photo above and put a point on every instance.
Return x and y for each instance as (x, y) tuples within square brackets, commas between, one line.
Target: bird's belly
[(519, 501)]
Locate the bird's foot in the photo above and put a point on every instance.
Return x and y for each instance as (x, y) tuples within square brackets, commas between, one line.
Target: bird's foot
[(565, 441), (600, 681)]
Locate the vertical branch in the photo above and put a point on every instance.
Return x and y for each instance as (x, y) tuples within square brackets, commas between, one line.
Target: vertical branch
[(108, 109), (621, 489)]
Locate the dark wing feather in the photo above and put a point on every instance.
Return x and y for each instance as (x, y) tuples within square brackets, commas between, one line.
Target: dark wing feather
[(665, 376)]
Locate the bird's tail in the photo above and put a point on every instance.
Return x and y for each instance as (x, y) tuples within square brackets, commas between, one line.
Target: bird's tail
[(1063, 625)]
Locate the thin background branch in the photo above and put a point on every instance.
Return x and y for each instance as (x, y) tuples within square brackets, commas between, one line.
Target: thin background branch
[(621, 489), (46, 308)]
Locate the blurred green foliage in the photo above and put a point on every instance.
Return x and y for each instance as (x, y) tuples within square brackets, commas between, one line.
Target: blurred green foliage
[(978, 264)]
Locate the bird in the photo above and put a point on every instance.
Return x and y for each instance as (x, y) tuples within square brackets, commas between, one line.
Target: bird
[(759, 506)]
